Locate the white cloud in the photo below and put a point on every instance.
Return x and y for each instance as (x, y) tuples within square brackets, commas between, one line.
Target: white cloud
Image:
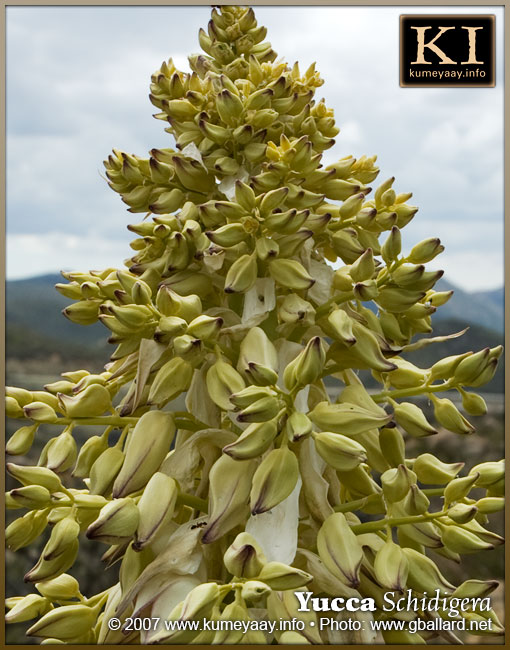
[(469, 262), (76, 253), (455, 233), (473, 270)]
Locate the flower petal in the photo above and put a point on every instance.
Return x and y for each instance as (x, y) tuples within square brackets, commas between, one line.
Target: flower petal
[(276, 530)]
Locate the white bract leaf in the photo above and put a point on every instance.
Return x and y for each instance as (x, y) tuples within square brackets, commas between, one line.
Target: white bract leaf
[(232, 416), (287, 351), (111, 604), (198, 401), (174, 593), (192, 151), (315, 486), (306, 252), (213, 259), (322, 273), (421, 343), (317, 462), (242, 328), (182, 463), (182, 556), (228, 184), (276, 530), (128, 363), (301, 400), (150, 352), (259, 300), (160, 542), (230, 317)]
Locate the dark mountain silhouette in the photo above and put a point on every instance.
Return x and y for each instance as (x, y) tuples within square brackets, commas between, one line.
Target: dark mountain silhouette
[(36, 328)]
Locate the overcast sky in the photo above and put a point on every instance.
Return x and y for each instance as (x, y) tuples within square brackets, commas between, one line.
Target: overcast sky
[(77, 85)]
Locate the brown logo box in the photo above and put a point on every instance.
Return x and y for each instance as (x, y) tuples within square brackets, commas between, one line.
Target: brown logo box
[(454, 50)]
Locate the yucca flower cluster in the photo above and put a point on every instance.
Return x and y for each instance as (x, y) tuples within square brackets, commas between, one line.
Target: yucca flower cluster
[(254, 277)]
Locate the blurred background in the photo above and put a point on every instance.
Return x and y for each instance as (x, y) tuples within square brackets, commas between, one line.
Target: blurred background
[(77, 85)]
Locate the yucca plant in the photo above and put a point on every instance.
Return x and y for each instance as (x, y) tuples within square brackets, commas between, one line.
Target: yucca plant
[(257, 274)]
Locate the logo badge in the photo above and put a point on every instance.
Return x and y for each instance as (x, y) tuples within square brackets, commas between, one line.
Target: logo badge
[(456, 50)]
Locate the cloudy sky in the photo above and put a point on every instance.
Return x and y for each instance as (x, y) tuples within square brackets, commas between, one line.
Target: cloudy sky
[(77, 85)]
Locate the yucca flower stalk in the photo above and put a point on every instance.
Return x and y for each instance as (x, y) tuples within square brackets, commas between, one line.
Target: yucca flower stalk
[(238, 479)]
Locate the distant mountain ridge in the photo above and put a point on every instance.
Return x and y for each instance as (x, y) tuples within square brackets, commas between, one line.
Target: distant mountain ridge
[(36, 328), (486, 308)]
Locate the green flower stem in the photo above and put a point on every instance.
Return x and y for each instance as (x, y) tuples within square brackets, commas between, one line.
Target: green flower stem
[(225, 589), (221, 350), (372, 526), (103, 420), (383, 276), (288, 398), (106, 433), (192, 501), (63, 503), (359, 504), (117, 384), (120, 442), (350, 506), (331, 370), (384, 395), (336, 300), (98, 601), (433, 492), (69, 428), (238, 597), (184, 420)]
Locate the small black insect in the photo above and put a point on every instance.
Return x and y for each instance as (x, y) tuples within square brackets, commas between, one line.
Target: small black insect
[(201, 524)]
